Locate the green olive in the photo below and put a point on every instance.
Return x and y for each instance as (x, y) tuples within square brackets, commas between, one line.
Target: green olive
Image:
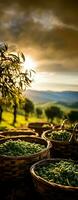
[(62, 172), (19, 148)]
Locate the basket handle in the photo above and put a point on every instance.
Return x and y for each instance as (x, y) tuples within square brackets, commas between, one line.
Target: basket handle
[(65, 121), (74, 132)]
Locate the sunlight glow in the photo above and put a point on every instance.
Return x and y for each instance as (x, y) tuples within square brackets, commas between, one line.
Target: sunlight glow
[(29, 63), (55, 81)]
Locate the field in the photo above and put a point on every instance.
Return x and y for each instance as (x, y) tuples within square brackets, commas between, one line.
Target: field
[(7, 122), (8, 119), (64, 107)]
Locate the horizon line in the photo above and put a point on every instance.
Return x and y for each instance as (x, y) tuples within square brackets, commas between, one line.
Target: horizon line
[(51, 90)]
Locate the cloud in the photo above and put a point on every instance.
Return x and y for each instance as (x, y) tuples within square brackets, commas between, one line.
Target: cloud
[(64, 9), (48, 30), (60, 66)]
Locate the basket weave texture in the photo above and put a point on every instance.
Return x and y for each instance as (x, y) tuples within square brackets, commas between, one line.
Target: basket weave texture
[(64, 149), (39, 127), (18, 166), (27, 132), (51, 190)]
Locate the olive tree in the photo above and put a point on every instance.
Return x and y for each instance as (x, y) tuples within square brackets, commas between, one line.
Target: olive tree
[(73, 116), (13, 79), (28, 108), (52, 112), (39, 112)]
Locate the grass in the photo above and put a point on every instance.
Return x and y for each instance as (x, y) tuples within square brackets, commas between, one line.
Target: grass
[(64, 108), (8, 116), (8, 120)]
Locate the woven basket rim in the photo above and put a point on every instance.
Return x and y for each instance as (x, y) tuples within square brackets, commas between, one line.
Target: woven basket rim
[(38, 124), (48, 143), (47, 183), (18, 133), (55, 141)]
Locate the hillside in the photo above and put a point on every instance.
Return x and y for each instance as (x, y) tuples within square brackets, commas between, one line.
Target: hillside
[(69, 98)]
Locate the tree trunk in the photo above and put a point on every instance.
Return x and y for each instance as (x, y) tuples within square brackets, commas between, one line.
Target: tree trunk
[(26, 116), (1, 111), (15, 113)]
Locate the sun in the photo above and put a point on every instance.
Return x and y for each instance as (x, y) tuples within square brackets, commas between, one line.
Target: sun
[(29, 63)]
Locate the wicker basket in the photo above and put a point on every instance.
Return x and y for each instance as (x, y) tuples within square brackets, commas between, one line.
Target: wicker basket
[(18, 166), (64, 149), (52, 191), (27, 132), (59, 148), (75, 133), (1, 136), (74, 143), (39, 127), (66, 125)]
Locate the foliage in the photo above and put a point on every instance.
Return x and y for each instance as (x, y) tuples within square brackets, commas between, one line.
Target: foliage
[(28, 107), (39, 112), (52, 112), (73, 116), (12, 78), (65, 108)]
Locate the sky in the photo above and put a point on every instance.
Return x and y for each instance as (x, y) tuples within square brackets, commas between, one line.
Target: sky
[(46, 31)]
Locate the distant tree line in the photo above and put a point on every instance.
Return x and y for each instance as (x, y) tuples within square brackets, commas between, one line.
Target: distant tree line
[(51, 112)]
